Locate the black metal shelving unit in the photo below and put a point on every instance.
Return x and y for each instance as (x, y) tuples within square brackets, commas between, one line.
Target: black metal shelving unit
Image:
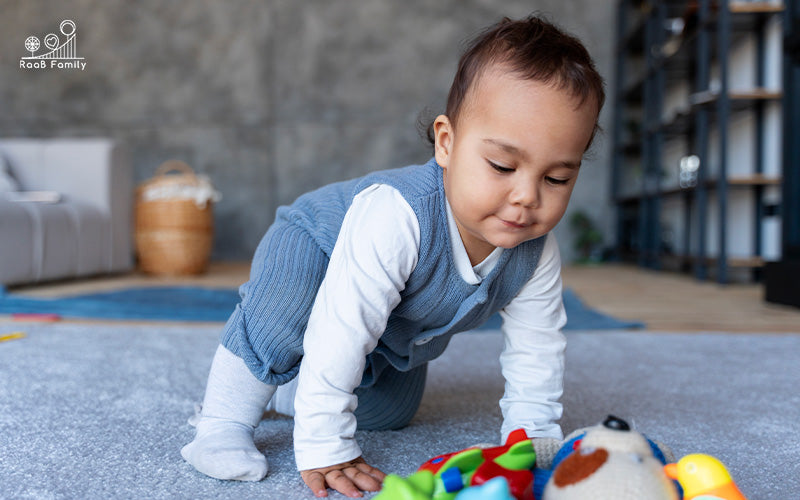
[(782, 278), (661, 45)]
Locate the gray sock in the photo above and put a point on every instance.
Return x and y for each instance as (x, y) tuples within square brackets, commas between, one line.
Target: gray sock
[(223, 447)]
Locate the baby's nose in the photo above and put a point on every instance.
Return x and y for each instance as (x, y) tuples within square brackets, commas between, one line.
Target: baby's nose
[(525, 194)]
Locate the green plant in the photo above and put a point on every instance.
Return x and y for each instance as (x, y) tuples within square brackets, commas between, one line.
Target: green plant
[(587, 237)]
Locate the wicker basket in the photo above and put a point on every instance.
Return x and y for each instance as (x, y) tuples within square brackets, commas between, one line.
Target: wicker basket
[(173, 236)]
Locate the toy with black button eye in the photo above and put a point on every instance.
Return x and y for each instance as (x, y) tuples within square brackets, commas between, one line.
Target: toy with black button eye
[(610, 461)]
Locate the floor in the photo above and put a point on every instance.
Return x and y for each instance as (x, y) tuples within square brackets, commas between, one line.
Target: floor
[(663, 301), (667, 301)]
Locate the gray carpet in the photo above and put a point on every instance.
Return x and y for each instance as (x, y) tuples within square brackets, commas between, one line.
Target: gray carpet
[(90, 411)]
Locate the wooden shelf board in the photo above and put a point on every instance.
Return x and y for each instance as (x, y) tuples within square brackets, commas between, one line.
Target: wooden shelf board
[(755, 8), (741, 181), (746, 261), (755, 94), (754, 180), (758, 94), (738, 262), (679, 123)]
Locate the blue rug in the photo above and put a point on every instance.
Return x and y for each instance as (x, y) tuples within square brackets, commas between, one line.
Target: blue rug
[(208, 304)]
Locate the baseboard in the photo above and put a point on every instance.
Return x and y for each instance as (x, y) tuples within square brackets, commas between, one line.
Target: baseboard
[(782, 282)]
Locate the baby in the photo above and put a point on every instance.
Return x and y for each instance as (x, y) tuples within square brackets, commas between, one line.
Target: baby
[(358, 285)]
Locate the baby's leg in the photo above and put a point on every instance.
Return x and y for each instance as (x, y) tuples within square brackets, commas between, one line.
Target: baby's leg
[(232, 408), (392, 401), (283, 400)]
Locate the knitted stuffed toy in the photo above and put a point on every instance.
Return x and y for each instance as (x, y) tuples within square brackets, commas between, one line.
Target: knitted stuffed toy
[(606, 461)]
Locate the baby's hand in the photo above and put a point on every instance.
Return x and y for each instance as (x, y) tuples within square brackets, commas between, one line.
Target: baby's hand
[(348, 478)]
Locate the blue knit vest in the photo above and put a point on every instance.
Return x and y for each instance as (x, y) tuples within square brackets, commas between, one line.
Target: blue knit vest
[(436, 302)]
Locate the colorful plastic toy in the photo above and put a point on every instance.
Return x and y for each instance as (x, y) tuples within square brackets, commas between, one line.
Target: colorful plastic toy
[(475, 466), (607, 461), (703, 476), (493, 489), (417, 486), (12, 336), (451, 473)]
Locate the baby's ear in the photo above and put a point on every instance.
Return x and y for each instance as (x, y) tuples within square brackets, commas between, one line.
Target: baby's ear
[(443, 135)]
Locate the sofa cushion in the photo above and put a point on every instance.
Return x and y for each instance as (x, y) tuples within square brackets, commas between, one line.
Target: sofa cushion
[(16, 243), (53, 240)]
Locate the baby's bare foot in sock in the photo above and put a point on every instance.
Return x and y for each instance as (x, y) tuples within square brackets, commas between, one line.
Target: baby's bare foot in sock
[(224, 449)]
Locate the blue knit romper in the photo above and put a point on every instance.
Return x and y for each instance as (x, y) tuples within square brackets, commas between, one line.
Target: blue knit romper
[(266, 329)]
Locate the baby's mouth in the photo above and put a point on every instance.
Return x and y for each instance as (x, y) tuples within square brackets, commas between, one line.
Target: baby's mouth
[(514, 225)]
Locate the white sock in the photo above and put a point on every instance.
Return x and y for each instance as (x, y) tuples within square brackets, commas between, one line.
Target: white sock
[(283, 399), (223, 447)]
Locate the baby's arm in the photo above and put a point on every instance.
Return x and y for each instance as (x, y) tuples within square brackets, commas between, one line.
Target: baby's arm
[(533, 357), (375, 252)]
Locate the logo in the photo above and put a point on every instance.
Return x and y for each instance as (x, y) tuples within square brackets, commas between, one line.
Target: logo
[(61, 53)]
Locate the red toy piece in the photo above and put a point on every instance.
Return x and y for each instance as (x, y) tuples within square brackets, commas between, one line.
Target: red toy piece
[(38, 317), (475, 466)]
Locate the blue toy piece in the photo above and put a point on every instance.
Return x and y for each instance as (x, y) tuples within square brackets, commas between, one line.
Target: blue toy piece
[(493, 489), (451, 478)]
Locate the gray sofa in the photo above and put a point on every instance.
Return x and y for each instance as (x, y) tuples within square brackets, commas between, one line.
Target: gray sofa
[(86, 230)]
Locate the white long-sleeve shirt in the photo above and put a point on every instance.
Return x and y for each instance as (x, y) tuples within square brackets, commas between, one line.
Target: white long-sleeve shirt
[(376, 251)]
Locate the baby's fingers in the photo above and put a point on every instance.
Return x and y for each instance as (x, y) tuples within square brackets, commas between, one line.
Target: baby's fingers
[(316, 482), (361, 475), (339, 481), (372, 471)]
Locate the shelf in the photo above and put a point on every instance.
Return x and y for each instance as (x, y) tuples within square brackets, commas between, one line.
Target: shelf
[(675, 51), (751, 262), (676, 55), (755, 180), (688, 51), (743, 261), (745, 181), (738, 8), (681, 122), (745, 16), (739, 97), (755, 8), (741, 182)]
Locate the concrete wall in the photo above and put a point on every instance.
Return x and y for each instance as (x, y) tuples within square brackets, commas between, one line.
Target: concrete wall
[(269, 98)]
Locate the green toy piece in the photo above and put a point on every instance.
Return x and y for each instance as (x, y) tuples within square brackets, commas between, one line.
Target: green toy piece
[(445, 476), (417, 486)]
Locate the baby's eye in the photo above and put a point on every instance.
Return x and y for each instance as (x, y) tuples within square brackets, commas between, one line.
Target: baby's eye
[(557, 182), (500, 168)]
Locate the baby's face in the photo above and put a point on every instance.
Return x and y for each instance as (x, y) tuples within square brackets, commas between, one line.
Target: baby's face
[(512, 159)]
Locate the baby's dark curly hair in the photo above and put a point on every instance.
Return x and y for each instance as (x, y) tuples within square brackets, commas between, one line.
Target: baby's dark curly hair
[(532, 48)]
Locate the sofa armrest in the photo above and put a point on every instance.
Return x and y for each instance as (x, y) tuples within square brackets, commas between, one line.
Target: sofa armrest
[(94, 171)]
